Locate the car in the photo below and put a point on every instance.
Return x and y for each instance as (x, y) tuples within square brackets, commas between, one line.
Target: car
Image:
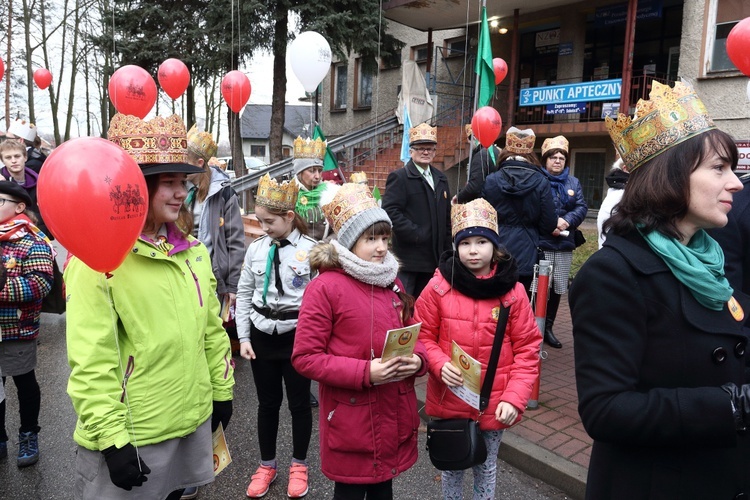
[(251, 164)]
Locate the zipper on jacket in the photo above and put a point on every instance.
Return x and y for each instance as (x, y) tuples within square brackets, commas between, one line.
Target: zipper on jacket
[(228, 363), (330, 415), (128, 371), (195, 278)]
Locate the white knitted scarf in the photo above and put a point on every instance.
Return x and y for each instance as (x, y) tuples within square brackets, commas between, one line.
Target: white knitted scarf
[(371, 273)]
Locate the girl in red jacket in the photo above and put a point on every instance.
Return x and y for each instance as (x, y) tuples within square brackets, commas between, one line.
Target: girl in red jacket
[(462, 303), (368, 408)]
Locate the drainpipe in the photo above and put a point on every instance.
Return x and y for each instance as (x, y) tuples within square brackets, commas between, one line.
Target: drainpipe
[(627, 61), (428, 74), (513, 72)]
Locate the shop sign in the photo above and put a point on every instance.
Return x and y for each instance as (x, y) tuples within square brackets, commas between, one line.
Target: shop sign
[(562, 109), (617, 14), (610, 109), (565, 49), (743, 165), (603, 90)]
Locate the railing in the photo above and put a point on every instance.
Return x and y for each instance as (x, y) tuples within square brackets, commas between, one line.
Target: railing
[(640, 86)]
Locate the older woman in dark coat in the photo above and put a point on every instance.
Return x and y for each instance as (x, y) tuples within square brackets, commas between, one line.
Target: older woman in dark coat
[(659, 352)]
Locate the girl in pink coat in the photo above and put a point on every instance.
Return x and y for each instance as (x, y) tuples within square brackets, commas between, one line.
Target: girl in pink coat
[(368, 408), (462, 303)]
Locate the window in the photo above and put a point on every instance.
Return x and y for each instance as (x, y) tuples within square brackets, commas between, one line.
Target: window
[(723, 16), (286, 152), (455, 47), (392, 61), (338, 89), (258, 151), (363, 86), (588, 170), (419, 53)]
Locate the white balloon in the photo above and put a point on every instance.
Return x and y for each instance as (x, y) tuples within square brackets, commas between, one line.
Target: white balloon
[(310, 57)]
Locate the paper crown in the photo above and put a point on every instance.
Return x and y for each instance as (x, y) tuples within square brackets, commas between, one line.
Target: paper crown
[(201, 144), (669, 117), (467, 131), (159, 140), (422, 134), (308, 148), (358, 177), (351, 211), (476, 213), (271, 194), (520, 141), (558, 142), (22, 129)]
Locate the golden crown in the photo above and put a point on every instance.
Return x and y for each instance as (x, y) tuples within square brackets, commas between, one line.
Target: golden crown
[(159, 140), (669, 117), (309, 148), (273, 195), (349, 200), (558, 142), (476, 213), (358, 177), (520, 141), (201, 144), (422, 133)]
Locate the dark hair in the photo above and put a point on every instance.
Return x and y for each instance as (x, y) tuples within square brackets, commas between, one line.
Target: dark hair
[(184, 219), (500, 255), (657, 195), (529, 157), (551, 152), (381, 228), (298, 222)]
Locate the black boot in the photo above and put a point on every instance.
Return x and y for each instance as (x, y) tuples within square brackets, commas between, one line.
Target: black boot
[(552, 304)]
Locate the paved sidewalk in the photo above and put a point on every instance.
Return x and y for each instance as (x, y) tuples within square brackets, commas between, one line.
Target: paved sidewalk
[(550, 442)]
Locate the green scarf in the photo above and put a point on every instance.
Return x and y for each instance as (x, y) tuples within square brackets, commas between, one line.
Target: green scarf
[(699, 265), (309, 199)]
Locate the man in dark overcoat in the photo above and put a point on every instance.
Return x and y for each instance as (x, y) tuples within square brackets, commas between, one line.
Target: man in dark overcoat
[(417, 200)]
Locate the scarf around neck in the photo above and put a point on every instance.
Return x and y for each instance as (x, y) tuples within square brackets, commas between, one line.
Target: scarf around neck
[(699, 265), (464, 281), (372, 273), (308, 199), (557, 183)]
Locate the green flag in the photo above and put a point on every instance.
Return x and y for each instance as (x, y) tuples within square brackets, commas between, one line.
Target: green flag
[(376, 194), (484, 66), (329, 163)]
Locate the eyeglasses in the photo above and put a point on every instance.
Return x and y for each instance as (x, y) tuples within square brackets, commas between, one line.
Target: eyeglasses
[(424, 150), (3, 200), (560, 159)]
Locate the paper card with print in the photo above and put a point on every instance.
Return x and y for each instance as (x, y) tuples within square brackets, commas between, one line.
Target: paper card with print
[(400, 342), (471, 371), (221, 457)]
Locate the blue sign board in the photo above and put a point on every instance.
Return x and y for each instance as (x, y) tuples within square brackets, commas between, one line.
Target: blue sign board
[(610, 109), (561, 109), (565, 49), (602, 90)]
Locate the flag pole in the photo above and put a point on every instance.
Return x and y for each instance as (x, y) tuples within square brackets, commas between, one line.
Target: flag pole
[(476, 94)]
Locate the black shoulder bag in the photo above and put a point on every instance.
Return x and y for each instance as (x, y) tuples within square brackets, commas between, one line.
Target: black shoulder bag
[(456, 443)]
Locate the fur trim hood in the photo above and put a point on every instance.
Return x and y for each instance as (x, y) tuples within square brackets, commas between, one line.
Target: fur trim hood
[(323, 257)]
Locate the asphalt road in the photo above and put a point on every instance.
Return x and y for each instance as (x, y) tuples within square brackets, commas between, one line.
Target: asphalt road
[(53, 476)]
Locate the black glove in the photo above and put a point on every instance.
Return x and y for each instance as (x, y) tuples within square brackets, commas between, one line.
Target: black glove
[(123, 464), (740, 397), (222, 413)]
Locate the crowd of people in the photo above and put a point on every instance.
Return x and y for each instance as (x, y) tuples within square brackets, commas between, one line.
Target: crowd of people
[(659, 344)]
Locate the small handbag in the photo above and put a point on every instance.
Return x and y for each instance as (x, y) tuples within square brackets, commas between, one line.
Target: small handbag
[(54, 301), (457, 443), (579, 238)]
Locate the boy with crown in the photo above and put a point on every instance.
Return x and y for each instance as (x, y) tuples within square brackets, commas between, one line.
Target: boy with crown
[(417, 199), (308, 172)]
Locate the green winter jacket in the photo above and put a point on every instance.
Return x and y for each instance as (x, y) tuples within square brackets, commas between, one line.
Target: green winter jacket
[(174, 356)]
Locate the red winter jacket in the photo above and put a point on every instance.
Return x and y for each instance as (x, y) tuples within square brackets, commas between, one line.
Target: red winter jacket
[(368, 434), (448, 315)]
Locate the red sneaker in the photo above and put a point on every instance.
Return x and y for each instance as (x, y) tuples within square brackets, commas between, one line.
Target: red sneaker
[(297, 481), (261, 481)]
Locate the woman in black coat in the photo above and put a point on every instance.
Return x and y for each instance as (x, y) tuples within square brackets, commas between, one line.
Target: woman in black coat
[(659, 353)]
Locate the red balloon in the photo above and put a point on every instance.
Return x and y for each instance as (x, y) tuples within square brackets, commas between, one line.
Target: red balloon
[(501, 70), (485, 125), (132, 91), (2, 68), (174, 77), (738, 46), (42, 78), (93, 198), (235, 87)]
